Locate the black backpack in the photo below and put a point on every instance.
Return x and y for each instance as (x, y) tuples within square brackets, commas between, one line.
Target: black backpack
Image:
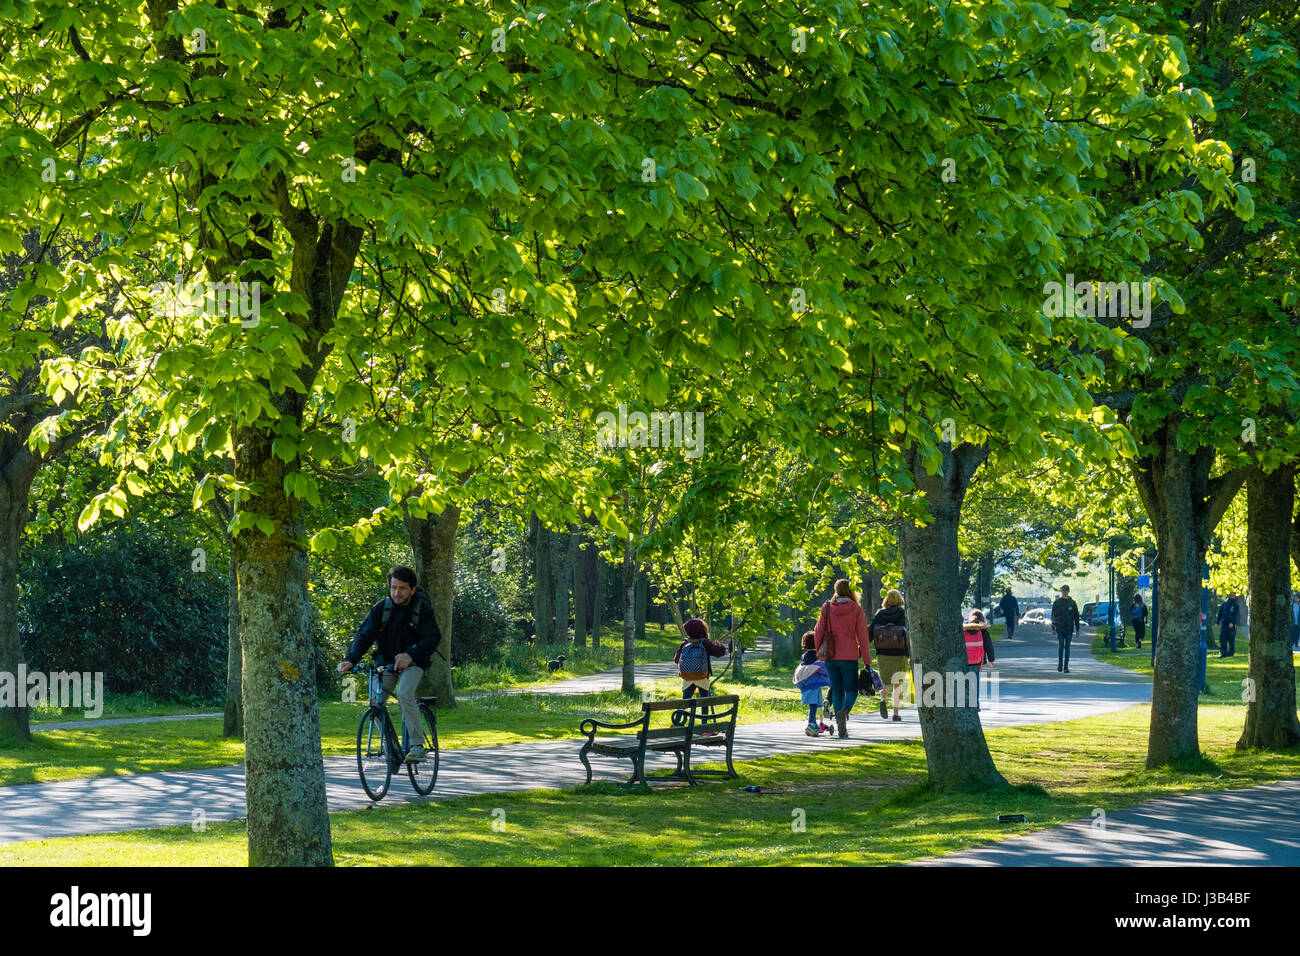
[(419, 597)]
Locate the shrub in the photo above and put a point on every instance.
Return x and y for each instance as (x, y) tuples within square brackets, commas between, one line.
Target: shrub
[(480, 627), (126, 602)]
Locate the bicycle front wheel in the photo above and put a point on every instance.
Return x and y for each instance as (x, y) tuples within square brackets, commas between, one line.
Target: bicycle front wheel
[(424, 773), (373, 759)]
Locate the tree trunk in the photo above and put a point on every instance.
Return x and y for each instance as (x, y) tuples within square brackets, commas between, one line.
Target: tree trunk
[(675, 608), (433, 542), (543, 593), (1184, 505), (965, 571), (629, 618), (871, 596), (578, 561), (288, 822), (560, 573), (13, 720), (233, 724), (599, 579), (957, 755), (785, 638), (984, 584), (1271, 721), (642, 593)]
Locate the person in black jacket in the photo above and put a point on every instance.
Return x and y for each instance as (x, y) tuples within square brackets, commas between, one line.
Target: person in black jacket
[(1065, 621), (893, 664), (407, 640), (1137, 615), (1010, 613), (1227, 617)]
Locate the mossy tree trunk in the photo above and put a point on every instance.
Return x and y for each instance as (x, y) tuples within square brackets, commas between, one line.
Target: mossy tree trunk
[(578, 561), (1271, 721), (957, 755), (433, 542), (1184, 505)]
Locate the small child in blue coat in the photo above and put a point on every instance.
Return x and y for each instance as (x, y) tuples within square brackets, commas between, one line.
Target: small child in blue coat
[(810, 677)]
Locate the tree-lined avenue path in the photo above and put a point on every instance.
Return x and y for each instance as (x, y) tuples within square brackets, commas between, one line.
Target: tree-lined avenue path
[(1030, 691)]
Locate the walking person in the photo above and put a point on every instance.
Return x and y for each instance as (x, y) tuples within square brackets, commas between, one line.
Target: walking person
[(692, 658), (1295, 620), (893, 652), (843, 624), (810, 677), (1137, 616), (1010, 613), (1227, 621), (979, 647), (1065, 622)]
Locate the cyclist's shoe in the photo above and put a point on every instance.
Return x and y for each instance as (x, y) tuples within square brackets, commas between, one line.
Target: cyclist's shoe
[(416, 754)]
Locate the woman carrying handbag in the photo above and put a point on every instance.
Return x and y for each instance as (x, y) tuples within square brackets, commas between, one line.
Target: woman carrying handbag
[(842, 640)]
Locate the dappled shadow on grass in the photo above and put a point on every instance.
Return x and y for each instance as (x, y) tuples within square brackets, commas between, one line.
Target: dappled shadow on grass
[(117, 751)]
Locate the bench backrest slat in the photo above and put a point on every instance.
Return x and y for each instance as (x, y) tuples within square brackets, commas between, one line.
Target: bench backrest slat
[(691, 704)]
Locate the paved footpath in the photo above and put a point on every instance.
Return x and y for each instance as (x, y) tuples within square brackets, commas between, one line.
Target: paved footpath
[(1258, 826), (1030, 691)]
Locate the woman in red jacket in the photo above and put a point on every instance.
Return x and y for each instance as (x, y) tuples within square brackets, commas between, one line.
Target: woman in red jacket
[(845, 623)]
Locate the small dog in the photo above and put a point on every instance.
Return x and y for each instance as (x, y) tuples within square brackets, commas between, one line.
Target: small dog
[(555, 665)]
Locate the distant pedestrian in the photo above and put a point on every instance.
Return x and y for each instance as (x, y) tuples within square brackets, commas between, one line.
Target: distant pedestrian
[(979, 647), (893, 650), (1295, 620), (1065, 622), (810, 677), (1227, 617), (1010, 613), (1137, 616), (843, 624), (692, 658)]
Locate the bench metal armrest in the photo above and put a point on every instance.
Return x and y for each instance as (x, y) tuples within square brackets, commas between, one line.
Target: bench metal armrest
[(590, 725)]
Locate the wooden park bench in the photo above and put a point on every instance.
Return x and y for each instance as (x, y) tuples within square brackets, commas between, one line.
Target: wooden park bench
[(708, 722)]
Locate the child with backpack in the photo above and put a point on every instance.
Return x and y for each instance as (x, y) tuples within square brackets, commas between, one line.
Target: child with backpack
[(810, 677), (692, 658)]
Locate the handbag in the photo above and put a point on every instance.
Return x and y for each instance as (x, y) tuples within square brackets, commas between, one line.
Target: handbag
[(891, 639), (869, 682), (827, 651)]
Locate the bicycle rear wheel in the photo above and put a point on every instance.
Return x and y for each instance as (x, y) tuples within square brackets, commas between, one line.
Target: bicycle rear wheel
[(424, 773), (373, 759)]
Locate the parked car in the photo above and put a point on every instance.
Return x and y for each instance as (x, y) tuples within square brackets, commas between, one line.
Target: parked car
[(1036, 617), (1085, 612), (1101, 613)]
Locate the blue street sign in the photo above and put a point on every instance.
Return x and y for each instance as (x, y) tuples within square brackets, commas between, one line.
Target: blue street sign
[(1144, 580)]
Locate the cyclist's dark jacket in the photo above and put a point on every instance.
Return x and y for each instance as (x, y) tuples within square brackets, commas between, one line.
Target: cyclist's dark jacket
[(399, 637)]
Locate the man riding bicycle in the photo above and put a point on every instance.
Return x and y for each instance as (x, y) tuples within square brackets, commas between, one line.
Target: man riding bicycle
[(405, 634)]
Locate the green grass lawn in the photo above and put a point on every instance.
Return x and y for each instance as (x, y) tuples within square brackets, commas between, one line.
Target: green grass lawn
[(865, 805), (1224, 677)]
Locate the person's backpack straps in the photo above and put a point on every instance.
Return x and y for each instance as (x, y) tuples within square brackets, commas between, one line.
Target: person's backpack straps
[(415, 610)]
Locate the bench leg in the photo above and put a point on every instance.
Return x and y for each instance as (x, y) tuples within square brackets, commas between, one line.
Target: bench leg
[(582, 755), (730, 769), (638, 772)]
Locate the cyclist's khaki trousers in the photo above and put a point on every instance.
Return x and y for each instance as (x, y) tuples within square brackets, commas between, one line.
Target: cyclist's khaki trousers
[(406, 682)]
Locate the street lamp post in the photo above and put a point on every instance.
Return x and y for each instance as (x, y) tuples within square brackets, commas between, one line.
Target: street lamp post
[(1110, 615)]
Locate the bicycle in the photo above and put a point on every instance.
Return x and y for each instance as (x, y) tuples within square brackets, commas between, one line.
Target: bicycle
[(380, 753)]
